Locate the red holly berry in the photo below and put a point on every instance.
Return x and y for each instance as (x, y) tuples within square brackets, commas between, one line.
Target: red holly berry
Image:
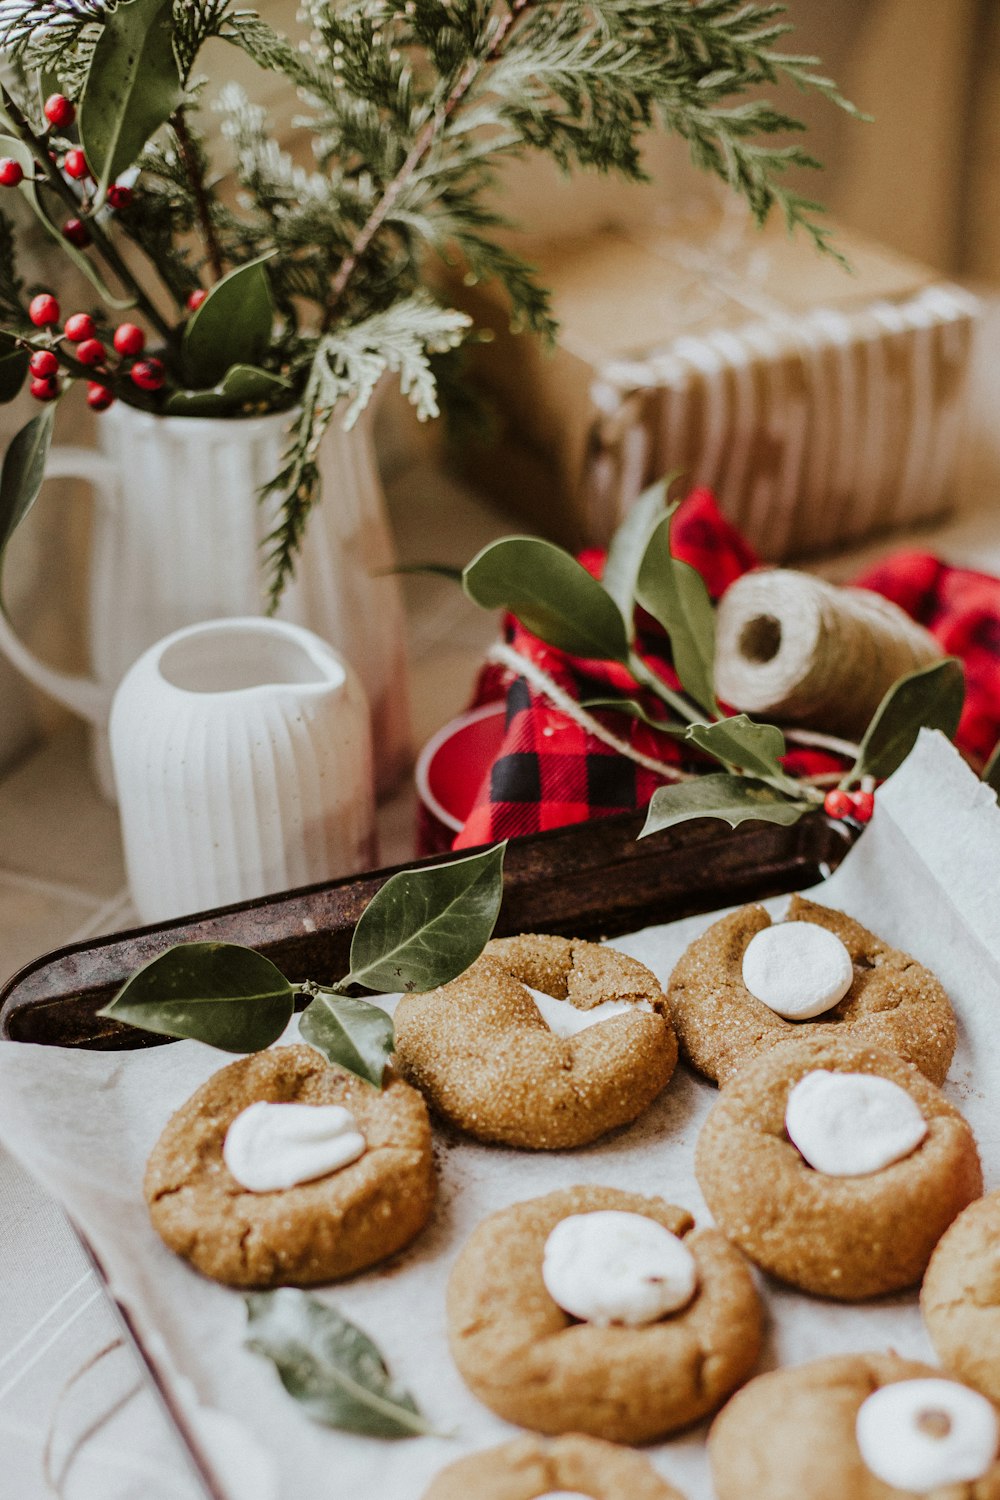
[(99, 398), (148, 374), (43, 310), (59, 111), (43, 364), (75, 164), (862, 806), (838, 804), (11, 172), (119, 197), (91, 352), (196, 299), (44, 390), (79, 327), (129, 339), (76, 231)]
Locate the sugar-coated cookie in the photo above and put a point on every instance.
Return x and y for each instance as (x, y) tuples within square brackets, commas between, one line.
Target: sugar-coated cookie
[(489, 1063), (316, 1230), (845, 1236), (532, 1467), (533, 1364), (960, 1297), (893, 1001), (827, 1431)]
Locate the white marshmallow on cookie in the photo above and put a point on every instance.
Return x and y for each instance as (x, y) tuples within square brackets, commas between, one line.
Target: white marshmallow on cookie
[(924, 1435), (610, 1267), (852, 1124), (269, 1147), (565, 1020), (797, 969)]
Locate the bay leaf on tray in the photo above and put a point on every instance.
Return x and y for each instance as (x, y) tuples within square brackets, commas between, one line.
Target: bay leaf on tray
[(425, 927), (351, 1032), (931, 698), (756, 748), (221, 993), (628, 548), (736, 799), (330, 1366), (675, 595)]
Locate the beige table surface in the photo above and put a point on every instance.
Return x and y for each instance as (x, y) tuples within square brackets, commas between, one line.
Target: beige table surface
[(62, 879)]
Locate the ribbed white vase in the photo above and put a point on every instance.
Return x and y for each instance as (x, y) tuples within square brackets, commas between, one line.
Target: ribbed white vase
[(243, 764), (179, 536)]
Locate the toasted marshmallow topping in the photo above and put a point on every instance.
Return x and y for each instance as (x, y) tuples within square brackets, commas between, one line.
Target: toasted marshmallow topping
[(923, 1435), (852, 1124), (273, 1146), (611, 1267), (797, 969)]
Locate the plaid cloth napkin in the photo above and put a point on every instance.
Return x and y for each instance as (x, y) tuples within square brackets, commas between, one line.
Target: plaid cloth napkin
[(551, 771)]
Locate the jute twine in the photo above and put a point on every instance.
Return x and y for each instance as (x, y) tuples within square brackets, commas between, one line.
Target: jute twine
[(807, 652)]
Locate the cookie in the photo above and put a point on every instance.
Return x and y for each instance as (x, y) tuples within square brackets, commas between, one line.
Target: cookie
[(793, 1434), (893, 1002), (311, 1232), (531, 1467), (488, 1063), (528, 1360), (852, 1236), (960, 1297)]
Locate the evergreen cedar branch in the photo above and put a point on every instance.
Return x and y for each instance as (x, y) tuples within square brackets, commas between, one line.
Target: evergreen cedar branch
[(411, 107)]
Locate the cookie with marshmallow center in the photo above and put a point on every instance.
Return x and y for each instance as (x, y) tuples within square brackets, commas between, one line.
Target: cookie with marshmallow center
[(856, 1427), (836, 1167), (566, 1468), (749, 984), (284, 1170), (543, 1043), (567, 1315)]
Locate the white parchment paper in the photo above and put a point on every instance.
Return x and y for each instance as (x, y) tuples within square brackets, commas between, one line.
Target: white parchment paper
[(926, 876)]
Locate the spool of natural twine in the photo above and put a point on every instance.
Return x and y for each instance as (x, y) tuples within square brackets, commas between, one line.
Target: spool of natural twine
[(807, 652)]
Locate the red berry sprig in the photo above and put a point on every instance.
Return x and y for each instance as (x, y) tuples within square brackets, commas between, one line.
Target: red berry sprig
[(59, 111), (129, 340), (79, 327), (857, 805), (91, 352), (99, 398), (148, 374), (45, 390), (77, 233), (75, 165), (11, 172), (119, 196), (196, 298), (43, 364), (43, 310)]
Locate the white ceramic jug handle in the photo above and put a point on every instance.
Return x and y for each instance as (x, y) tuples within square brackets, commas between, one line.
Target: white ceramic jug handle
[(82, 695)]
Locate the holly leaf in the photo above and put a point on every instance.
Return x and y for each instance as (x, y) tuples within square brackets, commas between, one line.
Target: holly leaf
[(13, 369), (628, 548), (353, 1033), (425, 927), (991, 775), (133, 87), (739, 741), (241, 385), (635, 710), (734, 799), (23, 472), (675, 595), (232, 326), (330, 1366), (221, 993), (931, 698), (551, 594)]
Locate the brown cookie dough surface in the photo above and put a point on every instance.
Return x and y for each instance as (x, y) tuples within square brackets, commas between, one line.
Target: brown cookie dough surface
[(789, 1435), (893, 1001), (530, 1467), (960, 1297), (533, 1364), (480, 1052), (844, 1237), (313, 1232)]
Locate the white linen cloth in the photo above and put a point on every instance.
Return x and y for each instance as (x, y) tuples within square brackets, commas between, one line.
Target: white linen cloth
[(924, 877)]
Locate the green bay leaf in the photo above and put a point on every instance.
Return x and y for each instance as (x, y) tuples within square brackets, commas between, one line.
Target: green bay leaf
[(991, 774), (23, 472), (734, 799), (675, 595), (425, 927), (628, 548), (931, 698), (241, 384), (330, 1366), (635, 710), (13, 369), (739, 741), (133, 87), (231, 327), (223, 994), (351, 1032), (551, 594)]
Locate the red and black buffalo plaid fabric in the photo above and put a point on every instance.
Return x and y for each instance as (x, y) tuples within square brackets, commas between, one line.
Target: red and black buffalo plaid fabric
[(550, 771)]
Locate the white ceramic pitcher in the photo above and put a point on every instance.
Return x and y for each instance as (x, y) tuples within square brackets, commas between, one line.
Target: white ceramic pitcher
[(177, 538), (242, 758)]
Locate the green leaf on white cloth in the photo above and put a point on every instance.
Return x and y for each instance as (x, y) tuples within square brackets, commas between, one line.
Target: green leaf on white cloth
[(931, 698), (352, 1033)]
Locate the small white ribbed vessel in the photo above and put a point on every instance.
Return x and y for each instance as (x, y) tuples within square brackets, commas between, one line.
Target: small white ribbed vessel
[(243, 763)]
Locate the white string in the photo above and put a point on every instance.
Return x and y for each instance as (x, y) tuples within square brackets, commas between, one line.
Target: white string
[(506, 656)]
